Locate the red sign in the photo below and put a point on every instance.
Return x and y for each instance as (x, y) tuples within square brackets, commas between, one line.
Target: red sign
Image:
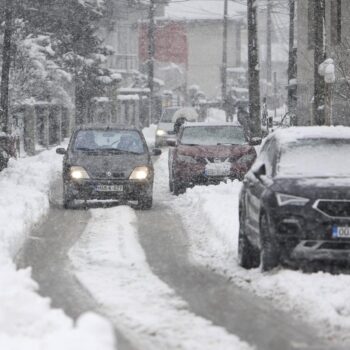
[(170, 42)]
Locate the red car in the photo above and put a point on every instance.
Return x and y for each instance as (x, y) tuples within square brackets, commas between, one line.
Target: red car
[(206, 153)]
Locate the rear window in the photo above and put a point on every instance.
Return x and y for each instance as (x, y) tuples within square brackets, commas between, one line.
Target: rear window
[(108, 141), (315, 158), (213, 135)]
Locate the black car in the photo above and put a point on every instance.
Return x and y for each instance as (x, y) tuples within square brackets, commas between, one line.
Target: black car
[(108, 163), (294, 204)]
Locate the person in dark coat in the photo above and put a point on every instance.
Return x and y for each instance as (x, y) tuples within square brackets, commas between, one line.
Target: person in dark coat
[(230, 106)]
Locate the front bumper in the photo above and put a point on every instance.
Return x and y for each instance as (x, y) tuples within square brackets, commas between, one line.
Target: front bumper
[(322, 250), (162, 140), (190, 175), (88, 189), (305, 234)]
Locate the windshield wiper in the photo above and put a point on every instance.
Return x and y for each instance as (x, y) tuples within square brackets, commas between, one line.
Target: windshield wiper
[(227, 143), (86, 149), (118, 151)]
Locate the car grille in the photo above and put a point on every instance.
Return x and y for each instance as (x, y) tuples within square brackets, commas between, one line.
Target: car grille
[(109, 175), (333, 208)]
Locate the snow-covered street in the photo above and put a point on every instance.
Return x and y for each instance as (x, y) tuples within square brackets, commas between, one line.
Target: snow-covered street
[(165, 278)]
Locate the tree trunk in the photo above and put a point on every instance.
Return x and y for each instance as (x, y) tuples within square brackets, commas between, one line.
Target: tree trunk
[(224, 55), (269, 43), (151, 52), (319, 57), (6, 65), (291, 56), (253, 71)]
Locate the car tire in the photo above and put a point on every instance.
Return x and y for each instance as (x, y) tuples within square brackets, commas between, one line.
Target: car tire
[(270, 254), (67, 201), (145, 202), (248, 255)]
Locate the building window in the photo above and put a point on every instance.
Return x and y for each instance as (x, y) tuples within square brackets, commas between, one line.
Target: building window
[(311, 23), (336, 19)]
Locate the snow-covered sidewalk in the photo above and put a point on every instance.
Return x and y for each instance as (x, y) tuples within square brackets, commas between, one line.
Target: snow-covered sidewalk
[(111, 263), (26, 319), (210, 216)]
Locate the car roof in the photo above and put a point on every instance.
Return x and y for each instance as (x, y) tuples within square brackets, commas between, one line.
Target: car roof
[(107, 127), (213, 124), (297, 133)]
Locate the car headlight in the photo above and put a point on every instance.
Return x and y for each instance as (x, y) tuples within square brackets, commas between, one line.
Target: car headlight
[(78, 173), (161, 132), (287, 199), (186, 159), (140, 173)]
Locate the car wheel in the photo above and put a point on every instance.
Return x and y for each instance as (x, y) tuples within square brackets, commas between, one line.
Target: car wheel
[(171, 185), (145, 202), (269, 255), (67, 201), (248, 255)]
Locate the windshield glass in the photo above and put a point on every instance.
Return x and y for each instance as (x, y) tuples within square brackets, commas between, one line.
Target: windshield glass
[(109, 140), (315, 158), (213, 135), (168, 114)]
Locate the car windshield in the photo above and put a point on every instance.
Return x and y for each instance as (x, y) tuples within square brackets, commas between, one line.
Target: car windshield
[(315, 158), (213, 135), (117, 141), (168, 114)]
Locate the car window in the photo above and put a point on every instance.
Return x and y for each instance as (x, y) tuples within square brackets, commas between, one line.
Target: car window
[(267, 156), (109, 140), (213, 135), (315, 158), (167, 115)]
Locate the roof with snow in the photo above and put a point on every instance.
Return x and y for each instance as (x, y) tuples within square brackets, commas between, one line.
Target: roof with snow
[(294, 134), (204, 9)]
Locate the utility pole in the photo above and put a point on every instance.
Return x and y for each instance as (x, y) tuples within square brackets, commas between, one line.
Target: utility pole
[(291, 54), (238, 44), (253, 71), (224, 54), (151, 51), (268, 42), (319, 57), (6, 65)]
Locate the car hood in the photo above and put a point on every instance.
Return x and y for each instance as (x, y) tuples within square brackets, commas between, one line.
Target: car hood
[(314, 188), (121, 165), (219, 151)]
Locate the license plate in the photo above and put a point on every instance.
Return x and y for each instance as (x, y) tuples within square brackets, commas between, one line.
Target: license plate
[(341, 231), (109, 188), (222, 169)]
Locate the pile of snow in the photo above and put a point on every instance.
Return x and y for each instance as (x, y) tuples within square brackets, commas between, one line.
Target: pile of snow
[(150, 135), (26, 319), (110, 262), (210, 216)]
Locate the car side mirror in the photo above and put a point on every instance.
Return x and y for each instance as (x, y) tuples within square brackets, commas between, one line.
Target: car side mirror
[(171, 143), (61, 150), (259, 170), (255, 141), (156, 152)]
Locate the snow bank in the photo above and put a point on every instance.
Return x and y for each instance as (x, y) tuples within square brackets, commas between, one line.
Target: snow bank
[(111, 263), (210, 215), (150, 135), (26, 319)]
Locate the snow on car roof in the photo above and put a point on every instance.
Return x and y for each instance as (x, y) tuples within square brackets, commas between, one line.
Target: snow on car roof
[(294, 134)]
